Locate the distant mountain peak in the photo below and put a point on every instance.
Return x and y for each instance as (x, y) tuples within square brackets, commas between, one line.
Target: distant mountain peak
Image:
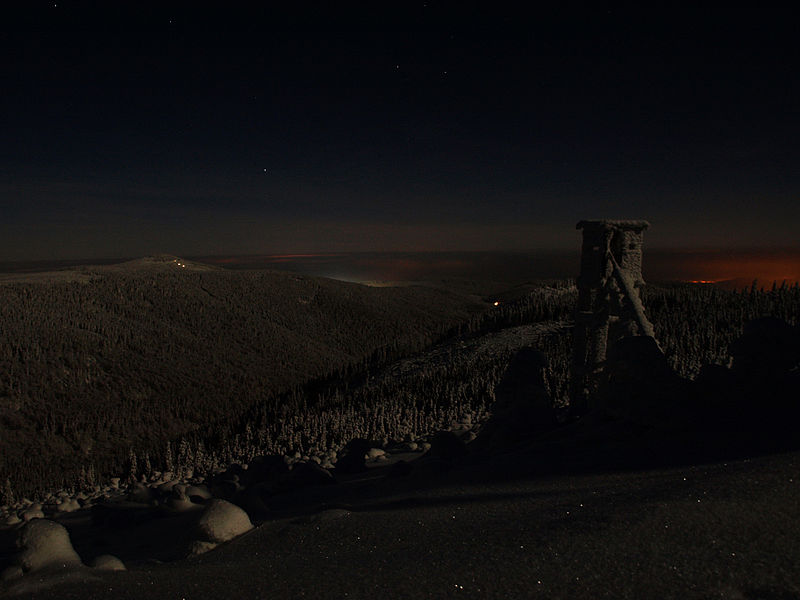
[(161, 258), (161, 262)]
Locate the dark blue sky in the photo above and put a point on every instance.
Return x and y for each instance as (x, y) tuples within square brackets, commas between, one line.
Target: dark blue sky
[(192, 131)]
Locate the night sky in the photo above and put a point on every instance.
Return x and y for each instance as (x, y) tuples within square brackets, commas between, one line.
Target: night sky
[(199, 131)]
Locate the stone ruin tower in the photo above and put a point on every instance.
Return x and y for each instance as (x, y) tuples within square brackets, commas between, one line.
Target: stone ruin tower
[(609, 305)]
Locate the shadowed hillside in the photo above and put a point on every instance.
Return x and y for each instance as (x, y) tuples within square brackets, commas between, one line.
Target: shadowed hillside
[(129, 356), (101, 367)]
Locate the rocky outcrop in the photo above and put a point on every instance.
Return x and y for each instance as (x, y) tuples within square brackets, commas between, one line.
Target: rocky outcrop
[(220, 522)]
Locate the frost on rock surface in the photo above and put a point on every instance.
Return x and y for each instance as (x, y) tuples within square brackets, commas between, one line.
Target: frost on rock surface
[(45, 544), (221, 521)]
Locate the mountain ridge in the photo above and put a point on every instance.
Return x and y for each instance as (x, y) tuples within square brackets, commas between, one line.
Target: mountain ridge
[(131, 356)]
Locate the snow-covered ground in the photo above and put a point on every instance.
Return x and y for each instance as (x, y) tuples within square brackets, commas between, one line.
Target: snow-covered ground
[(502, 524), (599, 508)]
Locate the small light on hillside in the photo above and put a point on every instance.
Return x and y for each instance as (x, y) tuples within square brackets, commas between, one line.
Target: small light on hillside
[(496, 303)]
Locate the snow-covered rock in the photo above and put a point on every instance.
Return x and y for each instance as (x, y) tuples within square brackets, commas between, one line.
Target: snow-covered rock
[(253, 500), (107, 562), (140, 493), (198, 493), (306, 474), (374, 453), (180, 502), (166, 487), (226, 489), (34, 511), (222, 521), (68, 505), (45, 544), (352, 459), (200, 546), (265, 468)]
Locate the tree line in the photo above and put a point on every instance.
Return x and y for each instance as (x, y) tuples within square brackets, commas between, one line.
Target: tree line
[(131, 375)]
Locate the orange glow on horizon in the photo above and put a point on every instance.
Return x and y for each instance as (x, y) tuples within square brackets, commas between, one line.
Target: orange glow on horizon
[(728, 268), (290, 256), (732, 270)]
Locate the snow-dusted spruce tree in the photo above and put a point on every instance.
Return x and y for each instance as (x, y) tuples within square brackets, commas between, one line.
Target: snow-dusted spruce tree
[(133, 466), (7, 495)]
